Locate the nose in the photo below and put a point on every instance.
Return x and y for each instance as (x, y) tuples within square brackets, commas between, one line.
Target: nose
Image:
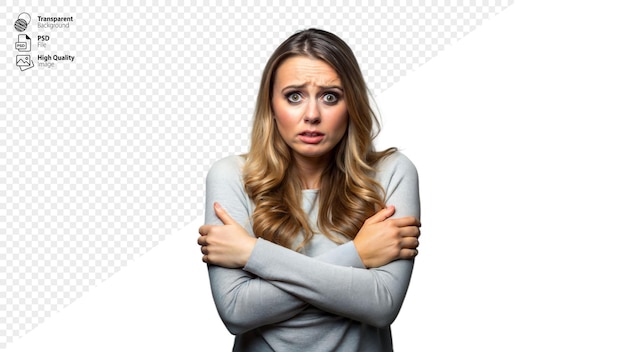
[(312, 113)]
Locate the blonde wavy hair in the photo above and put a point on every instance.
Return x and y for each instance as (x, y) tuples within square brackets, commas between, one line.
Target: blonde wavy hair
[(348, 193)]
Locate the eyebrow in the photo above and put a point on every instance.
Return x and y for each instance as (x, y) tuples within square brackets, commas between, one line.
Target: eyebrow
[(304, 85)]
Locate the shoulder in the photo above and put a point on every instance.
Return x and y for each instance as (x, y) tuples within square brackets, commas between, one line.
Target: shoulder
[(397, 175), (224, 184), (226, 173), (224, 180), (394, 163), (227, 168), (394, 169)]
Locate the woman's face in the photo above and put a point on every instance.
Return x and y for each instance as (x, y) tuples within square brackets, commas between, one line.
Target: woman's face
[(309, 107)]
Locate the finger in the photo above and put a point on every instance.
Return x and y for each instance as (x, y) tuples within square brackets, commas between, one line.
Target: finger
[(202, 241), (406, 221), (409, 231), (205, 259), (409, 243), (223, 215), (204, 229), (382, 214), (204, 250), (408, 253)]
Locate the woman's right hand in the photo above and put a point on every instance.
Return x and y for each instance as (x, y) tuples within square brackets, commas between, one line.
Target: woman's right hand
[(382, 240)]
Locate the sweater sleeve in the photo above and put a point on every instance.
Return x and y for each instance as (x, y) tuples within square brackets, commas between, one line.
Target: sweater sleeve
[(243, 300), (371, 296)]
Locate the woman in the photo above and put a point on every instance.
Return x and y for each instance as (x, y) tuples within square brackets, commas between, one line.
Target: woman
[(310, 237)]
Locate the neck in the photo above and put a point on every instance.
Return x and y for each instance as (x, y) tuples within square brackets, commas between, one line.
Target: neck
[(310, 171)]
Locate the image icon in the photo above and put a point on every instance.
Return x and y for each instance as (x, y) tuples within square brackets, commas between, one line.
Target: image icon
[(22, 22), (24, 62), (23, 42)]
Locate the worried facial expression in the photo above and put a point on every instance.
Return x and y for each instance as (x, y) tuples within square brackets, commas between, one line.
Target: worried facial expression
[(309, 107)]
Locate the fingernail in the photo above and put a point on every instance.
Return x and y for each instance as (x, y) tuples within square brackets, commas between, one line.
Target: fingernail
[(217, 205)]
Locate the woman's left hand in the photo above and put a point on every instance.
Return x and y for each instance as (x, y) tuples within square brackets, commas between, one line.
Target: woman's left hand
[(227, 245)]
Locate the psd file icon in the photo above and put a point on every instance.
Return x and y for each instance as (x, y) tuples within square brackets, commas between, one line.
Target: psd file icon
[(24, 62), (23, 43)]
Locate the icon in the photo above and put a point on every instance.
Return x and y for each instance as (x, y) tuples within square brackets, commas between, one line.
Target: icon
[(22, 22), (23, 42), (24, 62)]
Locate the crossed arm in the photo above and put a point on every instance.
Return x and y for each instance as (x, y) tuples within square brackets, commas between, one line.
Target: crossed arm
[(256, 283)]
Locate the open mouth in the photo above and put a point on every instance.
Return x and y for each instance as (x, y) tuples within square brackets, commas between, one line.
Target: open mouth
[(311, 137), (311, 134)]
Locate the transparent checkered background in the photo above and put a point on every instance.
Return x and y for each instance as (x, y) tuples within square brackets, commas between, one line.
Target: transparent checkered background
[(102, 158)]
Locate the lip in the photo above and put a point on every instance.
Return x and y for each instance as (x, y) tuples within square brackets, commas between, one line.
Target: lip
[(311, 137)]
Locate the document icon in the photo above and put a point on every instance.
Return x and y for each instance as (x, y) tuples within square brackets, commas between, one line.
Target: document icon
[(23, 42), (24, 62)]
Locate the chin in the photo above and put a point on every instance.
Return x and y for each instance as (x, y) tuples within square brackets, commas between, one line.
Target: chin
[(312, 153)]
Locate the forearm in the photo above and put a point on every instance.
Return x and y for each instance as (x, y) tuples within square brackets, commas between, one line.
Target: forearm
[(245, 302), (342, 255), (371, 296)]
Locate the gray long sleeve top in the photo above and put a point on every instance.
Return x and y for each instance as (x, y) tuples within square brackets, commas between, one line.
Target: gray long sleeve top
[(322, 299)]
